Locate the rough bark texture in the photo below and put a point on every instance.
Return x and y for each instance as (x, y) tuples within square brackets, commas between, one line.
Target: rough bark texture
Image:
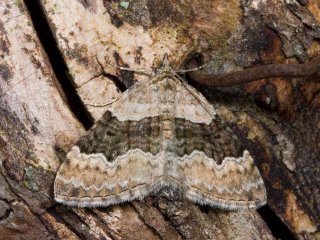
[(277, 119)]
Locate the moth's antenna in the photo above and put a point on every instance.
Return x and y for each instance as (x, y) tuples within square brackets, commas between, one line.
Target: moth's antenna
[(183, 81), (101, 105), (194, 93)]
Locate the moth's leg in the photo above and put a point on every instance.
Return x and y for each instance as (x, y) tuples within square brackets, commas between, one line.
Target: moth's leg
[(142, 71), (137, 70), (102, 105), (191, 69)]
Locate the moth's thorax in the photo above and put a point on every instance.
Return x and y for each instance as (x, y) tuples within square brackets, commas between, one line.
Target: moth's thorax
[(166, 67), (167, 93), (167, 109)]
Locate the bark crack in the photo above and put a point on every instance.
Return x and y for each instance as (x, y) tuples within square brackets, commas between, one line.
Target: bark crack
[(152, 228), (60, 69), (278, 228)]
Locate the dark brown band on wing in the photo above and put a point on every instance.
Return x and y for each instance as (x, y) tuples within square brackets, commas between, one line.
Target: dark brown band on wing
[(216, 140), (113, 138)]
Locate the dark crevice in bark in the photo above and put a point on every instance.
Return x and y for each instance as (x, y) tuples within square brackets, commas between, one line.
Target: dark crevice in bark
[(116, 81), (278, 228), (7, 211), (15, 192), (156, 233), (60, 218), (119, 84), (103, 222), (171, 219), (13, 189), (52, 235), (49, 44)]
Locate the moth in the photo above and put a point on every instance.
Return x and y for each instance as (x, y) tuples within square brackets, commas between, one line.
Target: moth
[(160, 134)]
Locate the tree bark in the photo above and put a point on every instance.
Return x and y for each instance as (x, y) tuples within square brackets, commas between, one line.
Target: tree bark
[(277, 119)]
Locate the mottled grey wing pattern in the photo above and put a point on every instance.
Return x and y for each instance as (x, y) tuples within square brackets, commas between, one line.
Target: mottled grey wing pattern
[(160, 133)]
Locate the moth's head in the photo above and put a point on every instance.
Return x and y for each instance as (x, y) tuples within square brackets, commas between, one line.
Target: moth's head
[(165, 66), (166, 63)]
